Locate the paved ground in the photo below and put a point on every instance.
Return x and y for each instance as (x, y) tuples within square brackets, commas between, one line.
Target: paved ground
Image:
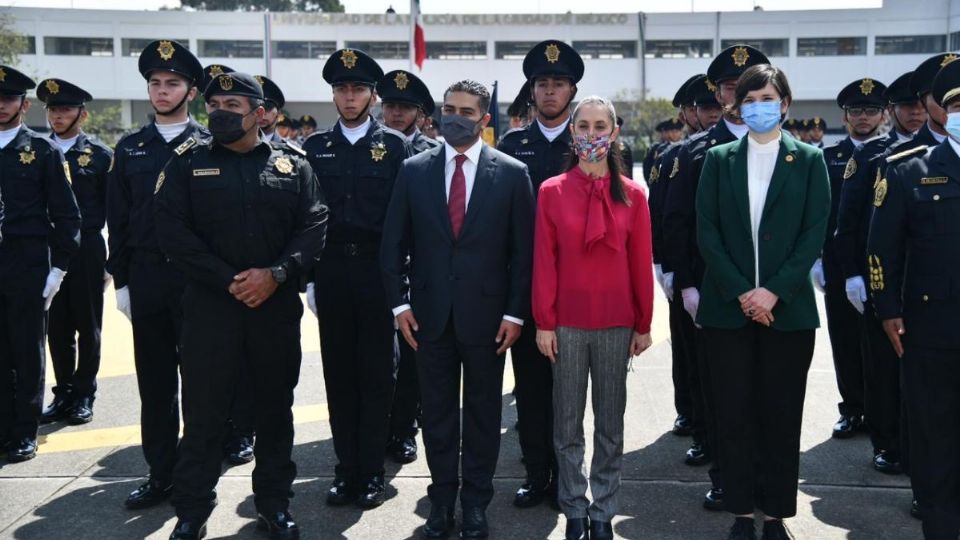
[(76, 486)]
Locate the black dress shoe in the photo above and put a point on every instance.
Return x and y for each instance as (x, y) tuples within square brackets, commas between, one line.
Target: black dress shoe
[(405, 451), (531, 493), (24, 450), (743, 529), (601, 530), (915, 510), (372, 494), (240, 450), (847, 426), (474, 523), (341, 493), (887, 463), (440, 522), (577, 529), (280, 525), (696, 456), (189, 530), (58, 409), (82, 412), (775, 530), (683, 426), (148, 494), (713, 500)]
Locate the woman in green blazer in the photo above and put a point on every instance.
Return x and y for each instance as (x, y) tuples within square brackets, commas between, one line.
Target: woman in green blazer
[(762, 207)]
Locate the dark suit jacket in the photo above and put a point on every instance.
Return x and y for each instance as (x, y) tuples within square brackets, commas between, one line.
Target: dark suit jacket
[(792, 229), (477, 278)]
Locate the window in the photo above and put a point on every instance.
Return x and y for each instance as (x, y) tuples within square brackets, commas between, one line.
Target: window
[(457, 50), (383, 50), (839, 46), (134, 46), (909, 44), (693, 48), (512, 50), (769, 47), (955, 41), (28, 45), (231, 48), (606, 49), (303, 49), (78, 46)]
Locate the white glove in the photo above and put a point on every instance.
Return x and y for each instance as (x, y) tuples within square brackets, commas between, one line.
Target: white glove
[(658, 274), (691, 301), (312, 298), (54, 279), (123, 302), (856, 292), (668, 285), (816, 273), (107, 280)]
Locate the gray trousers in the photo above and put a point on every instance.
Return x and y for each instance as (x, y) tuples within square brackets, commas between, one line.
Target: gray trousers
[(602, 355)]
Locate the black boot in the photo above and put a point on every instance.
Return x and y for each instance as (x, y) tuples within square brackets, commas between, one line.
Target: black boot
[(372, 495), (148, 494), (189, 530), (58, 409), (280, 525), (82, 412)]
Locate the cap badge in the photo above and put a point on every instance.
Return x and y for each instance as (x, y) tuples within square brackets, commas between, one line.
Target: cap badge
[(349, 58), (226, 83), (947, 58), (867, 86), (215, 70), (52, 86), (740, 56), (401, 81), (166, 50), (552, 52)]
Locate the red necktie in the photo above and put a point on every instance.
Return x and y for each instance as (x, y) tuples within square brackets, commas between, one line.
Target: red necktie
[(457, 201)]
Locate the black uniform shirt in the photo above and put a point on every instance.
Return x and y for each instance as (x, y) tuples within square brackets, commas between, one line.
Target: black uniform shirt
[(543, 157), (89, 161)]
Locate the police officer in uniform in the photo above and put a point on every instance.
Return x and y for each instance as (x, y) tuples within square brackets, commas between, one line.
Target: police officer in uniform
[(552, 69), (41, 235), (273, 102), (148, 286), (816, 127), (243, 218), (914, 257), (308, 125), (284, 126), (862, 103), (680, 236), (626, 153), (905, 109), (210, 73), (356, 163), (406, 100), (653, 151), (76, 314)]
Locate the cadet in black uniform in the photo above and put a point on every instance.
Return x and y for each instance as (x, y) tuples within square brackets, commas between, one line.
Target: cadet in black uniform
[(356, 162), (862, 103), (552, 69), (273, 102), (308, 126), (210, 73), (653, 151), (76, 314), (816, 128), (41, 235), (904, 109), (243, 219), (626, 153), (149, 288), (406, 99), (680, 251), (914, 256)]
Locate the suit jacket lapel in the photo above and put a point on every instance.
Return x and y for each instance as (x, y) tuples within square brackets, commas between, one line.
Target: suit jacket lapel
[(738, 177), (781, 172), (438, 188), (481, 186)]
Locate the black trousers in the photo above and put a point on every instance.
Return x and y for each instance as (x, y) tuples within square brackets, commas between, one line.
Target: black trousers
[(846, 343), (931, 379), (156, 291), (406, 397), (534, 394), (223, 340), (682, 395), (23, 273), (359, 350), (76, 318), (440, 363), (759, 377), (883, 401)]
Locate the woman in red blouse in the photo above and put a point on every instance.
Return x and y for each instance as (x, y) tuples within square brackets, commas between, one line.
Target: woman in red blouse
[(593, 303)]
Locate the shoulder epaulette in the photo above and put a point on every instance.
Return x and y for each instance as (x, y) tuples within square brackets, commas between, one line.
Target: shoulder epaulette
[(906, 153), (295, 147), (184, 146)]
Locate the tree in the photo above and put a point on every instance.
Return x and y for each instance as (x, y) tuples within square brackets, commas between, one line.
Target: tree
[(640, 118), (104, 124), (12, 43), (329, 6)]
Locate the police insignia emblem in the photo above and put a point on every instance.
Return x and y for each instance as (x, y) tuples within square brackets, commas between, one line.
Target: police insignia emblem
[(160, 179), (552, 52), (83, 160), (259, 79), (947, 59), (676, 167), (215, 70), (850, 169), (710, 86), (740, 56), (880, 193), (867, 86), (226, 83), (52, 86), (66, 172), (284, 165), (349, 58), (378, 152), (165, 50), (27, 156), (401, 81)]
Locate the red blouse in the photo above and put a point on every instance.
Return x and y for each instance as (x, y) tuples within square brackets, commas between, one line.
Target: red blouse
[(592, 257)]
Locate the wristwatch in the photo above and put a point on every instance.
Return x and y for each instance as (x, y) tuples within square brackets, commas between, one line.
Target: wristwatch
[(279, 273)]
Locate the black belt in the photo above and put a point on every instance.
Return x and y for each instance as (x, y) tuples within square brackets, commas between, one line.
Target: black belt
[(353, 249)]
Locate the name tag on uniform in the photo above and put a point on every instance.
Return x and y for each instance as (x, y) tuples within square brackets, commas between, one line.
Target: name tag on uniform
[(206, 172), (136, 153), (326, 155), (525, 153), (929, 181)]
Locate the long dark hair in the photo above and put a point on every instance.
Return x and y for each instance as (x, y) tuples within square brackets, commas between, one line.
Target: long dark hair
[(614, 158)]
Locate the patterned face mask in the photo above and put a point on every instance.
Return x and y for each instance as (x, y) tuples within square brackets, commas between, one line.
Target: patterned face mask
[(591, 148)]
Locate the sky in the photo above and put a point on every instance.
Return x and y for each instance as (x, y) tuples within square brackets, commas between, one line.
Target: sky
[(498, 6)]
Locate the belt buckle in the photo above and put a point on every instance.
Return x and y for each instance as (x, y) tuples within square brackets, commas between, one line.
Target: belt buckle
[(351, 249)]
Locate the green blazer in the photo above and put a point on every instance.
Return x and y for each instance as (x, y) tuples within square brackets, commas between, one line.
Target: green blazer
[(792, 229)]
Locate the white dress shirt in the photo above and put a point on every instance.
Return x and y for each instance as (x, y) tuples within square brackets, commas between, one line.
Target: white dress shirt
[(955, 145), (355, 134), (761, 160), (65, 144), (738, 130), (8, 135), (469, 175), (938, 136), (554, 132), (170, 132)]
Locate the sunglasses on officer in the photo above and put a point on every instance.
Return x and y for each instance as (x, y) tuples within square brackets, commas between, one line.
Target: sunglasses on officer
[(863, 111)]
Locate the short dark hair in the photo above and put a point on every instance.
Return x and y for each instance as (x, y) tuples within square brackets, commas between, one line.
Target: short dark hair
[(757, 77), (474, 88)]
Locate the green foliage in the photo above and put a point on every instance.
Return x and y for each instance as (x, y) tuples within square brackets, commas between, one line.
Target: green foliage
[(12, 43), (327, 6), (104, 124), (640, 119)]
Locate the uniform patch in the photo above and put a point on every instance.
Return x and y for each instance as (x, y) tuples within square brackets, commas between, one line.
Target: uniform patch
[(66, 172), (850, 169), (929, 181), (378, 152), (676, 167), (552, 52), (84, 160), (206, 172), (160, 180), (283, 165), (28, 156), (654, 174), (876, 273), (880, 193), (112, 158), (186, 145)]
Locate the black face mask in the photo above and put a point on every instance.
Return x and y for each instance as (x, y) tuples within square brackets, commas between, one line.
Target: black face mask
[(226, 126)]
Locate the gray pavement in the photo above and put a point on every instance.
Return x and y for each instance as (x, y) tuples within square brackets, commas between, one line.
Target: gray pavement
[(76, 486)]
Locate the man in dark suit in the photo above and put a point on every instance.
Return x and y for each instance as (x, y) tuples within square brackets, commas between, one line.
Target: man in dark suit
[(463, 213)]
